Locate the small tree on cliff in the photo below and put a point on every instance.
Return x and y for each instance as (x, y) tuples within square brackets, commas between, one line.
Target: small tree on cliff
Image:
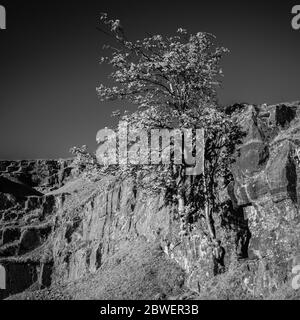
[(172, 81)]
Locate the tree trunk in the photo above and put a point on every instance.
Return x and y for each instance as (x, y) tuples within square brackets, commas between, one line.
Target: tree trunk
[(207, 212), (208, 219), (181, 212)]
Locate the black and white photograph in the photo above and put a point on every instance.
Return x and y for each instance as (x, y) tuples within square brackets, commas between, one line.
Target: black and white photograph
[(149, 151)]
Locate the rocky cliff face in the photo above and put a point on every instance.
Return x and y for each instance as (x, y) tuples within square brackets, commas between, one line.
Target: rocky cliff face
[(266, 186), (26, 214), (60, 230), (42, 175)]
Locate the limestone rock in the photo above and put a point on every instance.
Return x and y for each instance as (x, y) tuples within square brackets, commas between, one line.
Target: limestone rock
[(67, 229)]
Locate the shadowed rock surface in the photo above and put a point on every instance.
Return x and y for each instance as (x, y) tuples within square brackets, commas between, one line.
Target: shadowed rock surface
[(102, 240), (16, 188)]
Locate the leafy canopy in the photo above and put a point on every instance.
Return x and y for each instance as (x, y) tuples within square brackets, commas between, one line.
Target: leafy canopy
[(172, 80)]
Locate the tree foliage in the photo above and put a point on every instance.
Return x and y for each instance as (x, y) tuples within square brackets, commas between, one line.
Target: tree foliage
[(172, 80)]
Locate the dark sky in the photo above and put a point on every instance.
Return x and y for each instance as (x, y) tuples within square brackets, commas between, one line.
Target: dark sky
[(50, 51)]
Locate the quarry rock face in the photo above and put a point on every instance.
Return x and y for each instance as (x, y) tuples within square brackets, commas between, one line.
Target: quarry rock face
[(57, 228), (41, 175), (26, 214), (110, 221), (266, 185)]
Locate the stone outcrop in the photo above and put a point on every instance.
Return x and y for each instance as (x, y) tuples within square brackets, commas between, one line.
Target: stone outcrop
[(42, 175), (26, 220), (72, 229), (266, 184)]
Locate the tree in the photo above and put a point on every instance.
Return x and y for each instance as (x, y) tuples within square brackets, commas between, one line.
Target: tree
[(173, 81)]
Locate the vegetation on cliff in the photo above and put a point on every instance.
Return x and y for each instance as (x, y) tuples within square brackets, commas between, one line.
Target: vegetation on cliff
[(172, 81)]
